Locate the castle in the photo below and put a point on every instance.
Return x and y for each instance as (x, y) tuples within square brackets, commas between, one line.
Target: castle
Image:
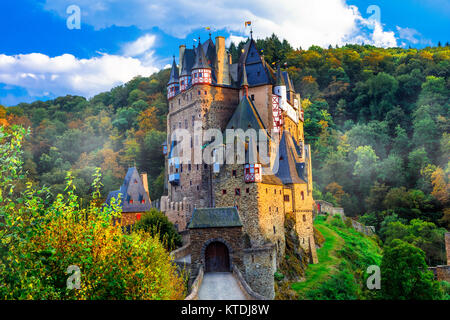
[(234, 213)]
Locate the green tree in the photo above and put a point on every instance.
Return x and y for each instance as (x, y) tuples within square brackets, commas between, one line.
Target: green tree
[(405, 274), (157, 224)]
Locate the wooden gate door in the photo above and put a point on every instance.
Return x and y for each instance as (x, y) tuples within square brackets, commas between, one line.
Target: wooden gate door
[(217, 258)]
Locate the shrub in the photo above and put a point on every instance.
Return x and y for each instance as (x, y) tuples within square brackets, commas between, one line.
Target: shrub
[(158, 225), (40, 240)]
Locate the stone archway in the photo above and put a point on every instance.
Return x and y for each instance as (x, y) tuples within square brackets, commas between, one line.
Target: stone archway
[(217, 256)]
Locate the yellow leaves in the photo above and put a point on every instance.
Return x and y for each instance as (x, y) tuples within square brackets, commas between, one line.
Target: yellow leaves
[(323, 124), (306, 103), (426, 55), (441, 188), (148, 119)]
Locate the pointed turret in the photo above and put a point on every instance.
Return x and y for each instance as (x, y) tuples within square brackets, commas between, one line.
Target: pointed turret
[(279, 80), (201, 62), (186, 67), (174, 76), (280, 89), (244, 82), (201, 71), (173, 85)]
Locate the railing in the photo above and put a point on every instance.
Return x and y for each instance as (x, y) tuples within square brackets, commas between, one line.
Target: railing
[(251, 295), (196, 286)]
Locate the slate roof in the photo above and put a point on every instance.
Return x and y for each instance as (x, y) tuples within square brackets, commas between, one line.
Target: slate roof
[(245, 116), (174, 78), (188, 62), (291, 169), (280, 78), (131, 189), (215, 218), (201, 62)]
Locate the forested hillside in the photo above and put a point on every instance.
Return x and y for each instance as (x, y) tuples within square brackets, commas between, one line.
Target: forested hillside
[(377, 120)]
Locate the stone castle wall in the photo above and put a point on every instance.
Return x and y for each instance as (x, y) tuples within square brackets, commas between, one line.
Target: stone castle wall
[(259, 268), (212, 106)]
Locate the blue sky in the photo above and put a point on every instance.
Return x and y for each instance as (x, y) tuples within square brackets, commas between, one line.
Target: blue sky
[(40, 58)]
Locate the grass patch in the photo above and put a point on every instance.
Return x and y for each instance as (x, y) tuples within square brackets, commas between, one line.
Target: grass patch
[(317, 273), (343, 260)]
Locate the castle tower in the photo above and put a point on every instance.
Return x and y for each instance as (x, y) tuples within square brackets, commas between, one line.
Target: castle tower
[(280, 89), (201, 71), (222, 64), (173, 86)]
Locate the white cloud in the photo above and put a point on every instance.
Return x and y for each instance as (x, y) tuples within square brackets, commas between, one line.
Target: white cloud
[(40, 74), (412, 35), (140, 46), (301, 22)]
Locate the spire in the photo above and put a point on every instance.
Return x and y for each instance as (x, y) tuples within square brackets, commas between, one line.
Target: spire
[(200, 59), (280, 80), (244, 82), (174, 77)]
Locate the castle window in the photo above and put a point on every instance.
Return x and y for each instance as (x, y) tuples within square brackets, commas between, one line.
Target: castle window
[(253, 97), (185, 124), (224, 191), (247, 190), (275, 191), (181, 168), (234, 173), (237, 207), (190, 182), (179, 124), (267, 190), (199, 92), (189, 166), (303, 195), (304, 218), (276, 209), (253, 259), (205, 166), (237, 192), (197, 167), (205, 93), (270, 209), (280, 191), (193, 119), (274, 230), (198, 188), (286, 198)]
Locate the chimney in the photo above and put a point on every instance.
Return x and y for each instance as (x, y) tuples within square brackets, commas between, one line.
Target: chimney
[(145, 182), (230, 58), (182, 48), (447, 246), (222, 67)]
